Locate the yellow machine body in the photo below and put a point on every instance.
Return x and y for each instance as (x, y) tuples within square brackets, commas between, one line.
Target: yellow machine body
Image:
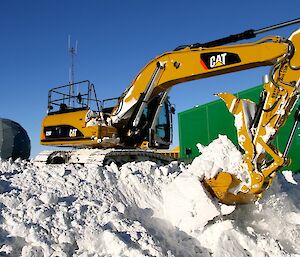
[(141, 117)]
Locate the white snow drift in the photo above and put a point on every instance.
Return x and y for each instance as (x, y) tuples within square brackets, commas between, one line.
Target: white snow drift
[(141, 209)]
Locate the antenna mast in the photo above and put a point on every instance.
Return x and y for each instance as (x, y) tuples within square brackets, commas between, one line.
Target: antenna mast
[(72, 52)]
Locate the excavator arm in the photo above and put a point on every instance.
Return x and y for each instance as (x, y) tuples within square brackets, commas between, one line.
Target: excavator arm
[(257, 125)]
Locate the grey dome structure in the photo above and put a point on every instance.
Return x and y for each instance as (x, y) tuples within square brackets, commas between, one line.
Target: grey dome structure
[(14, 140)]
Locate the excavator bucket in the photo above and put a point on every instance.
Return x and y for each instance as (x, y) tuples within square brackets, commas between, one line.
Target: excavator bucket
[(225, 184), (256, 142)]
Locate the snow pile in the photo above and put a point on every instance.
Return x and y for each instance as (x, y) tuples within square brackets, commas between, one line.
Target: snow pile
[(219, 155), (139, 209)]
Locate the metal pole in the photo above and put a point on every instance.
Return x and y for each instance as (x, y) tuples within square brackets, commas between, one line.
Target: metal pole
[(277, 26), (248, 34)]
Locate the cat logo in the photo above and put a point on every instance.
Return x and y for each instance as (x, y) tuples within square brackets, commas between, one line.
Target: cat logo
[(214, 60), (217, 60)]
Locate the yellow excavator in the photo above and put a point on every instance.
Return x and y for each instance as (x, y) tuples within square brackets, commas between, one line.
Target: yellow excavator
[(140, 120)]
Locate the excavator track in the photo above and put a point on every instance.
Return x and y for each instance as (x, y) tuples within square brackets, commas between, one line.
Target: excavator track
[(101, 157)]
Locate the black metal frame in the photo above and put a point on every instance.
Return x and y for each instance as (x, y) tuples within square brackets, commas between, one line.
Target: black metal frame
[(61, 99)]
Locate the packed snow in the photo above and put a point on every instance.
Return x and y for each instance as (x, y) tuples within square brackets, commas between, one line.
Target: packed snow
[(142, 209)]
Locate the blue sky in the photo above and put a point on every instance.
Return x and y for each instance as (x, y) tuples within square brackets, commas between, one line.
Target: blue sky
[(115, 40)]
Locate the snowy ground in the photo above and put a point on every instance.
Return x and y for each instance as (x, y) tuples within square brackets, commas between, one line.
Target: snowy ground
[(140, 209)]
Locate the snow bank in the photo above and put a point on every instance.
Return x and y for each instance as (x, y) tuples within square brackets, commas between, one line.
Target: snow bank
[(140, 209), (220, 155)]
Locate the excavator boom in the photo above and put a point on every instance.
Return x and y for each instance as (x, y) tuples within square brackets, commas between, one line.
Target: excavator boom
[(188, 64)]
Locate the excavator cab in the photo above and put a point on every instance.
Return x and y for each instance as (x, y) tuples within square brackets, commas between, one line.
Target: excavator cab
[(163, 132), (159, 123), (77, 118)]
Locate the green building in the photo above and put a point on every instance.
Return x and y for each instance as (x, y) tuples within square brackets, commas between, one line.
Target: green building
[(203, 124)]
